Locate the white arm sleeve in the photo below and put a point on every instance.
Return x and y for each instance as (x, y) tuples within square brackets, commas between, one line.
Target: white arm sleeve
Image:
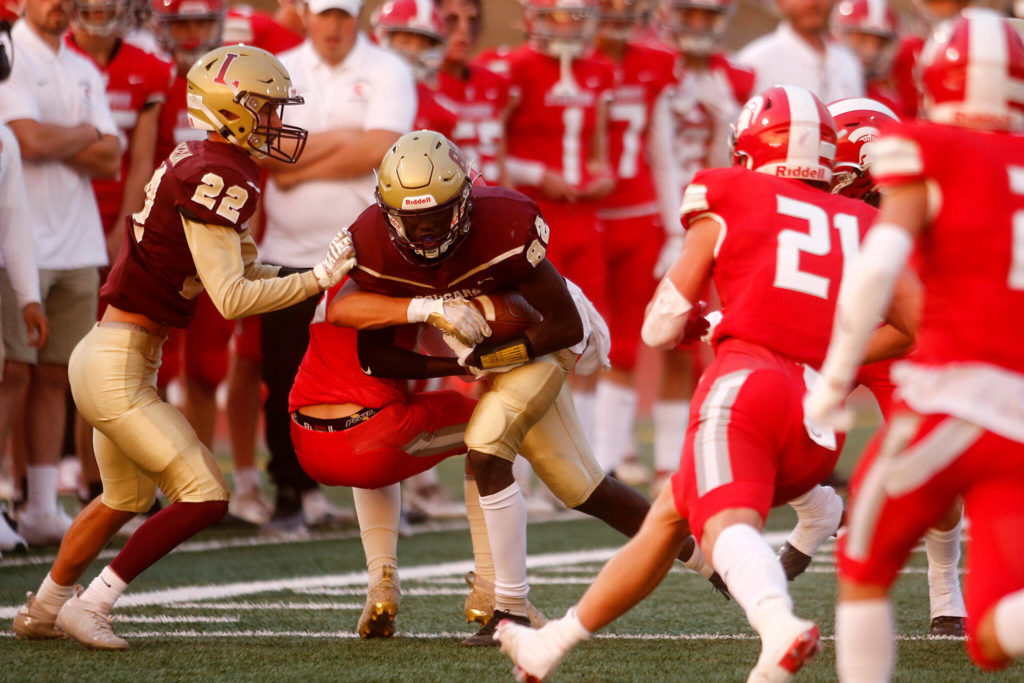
[(15, 224), (217, 253), (663, 165), (864, 298), (524, 172)]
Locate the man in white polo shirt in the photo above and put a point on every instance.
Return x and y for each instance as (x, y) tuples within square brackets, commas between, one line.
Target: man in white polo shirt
[(55, 104), (360, 99), (801, 52)]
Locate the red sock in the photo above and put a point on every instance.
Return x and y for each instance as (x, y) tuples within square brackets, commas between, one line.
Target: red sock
[(162, 533)]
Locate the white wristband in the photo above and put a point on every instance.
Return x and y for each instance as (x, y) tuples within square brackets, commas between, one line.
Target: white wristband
[(421, 307)]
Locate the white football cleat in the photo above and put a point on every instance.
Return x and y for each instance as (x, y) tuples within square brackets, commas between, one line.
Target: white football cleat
[(251, 506), (432, 502), (43, 529), (532, 652), (785, 651), (318, 511), (9, 538), (89, 625)]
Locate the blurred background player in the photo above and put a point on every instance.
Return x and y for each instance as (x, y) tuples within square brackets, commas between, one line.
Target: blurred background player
[(633, 219), (275, 33), (709, 93), (801, 52), (137, 83), (870, 29), (928, 14), (556, 138), (360, 98), (953, 431)]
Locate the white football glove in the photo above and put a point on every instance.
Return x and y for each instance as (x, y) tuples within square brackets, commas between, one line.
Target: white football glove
[(669, 254), (462, 352), (340, 258), (825, 405), (597, 340), (455, 317)]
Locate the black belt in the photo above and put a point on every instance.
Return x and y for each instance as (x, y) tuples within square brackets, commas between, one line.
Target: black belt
[(334, 424)]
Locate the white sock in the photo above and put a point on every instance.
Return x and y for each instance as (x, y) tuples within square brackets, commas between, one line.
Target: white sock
[(52, 595), (505, 514), (670, 420), (943, 551), (865, 642), (247, 479), (105, 589), (1009, 618), (584, 401), (614, 419), (423, 480), (697, 563), (483, 560), (42, 489), (379, 512), (745, 561), (817, 513), (523, 472)]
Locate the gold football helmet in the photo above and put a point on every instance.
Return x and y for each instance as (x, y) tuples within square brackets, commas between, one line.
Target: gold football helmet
[(240, 92), (423, 188)]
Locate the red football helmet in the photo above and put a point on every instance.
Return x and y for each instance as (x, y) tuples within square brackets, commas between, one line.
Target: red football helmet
[(102, 17), (857, 122), (786, 131), (418, 18), (971, 73), (178, 31), (619, 19), (870, 29), (695, 27), (561, 28)]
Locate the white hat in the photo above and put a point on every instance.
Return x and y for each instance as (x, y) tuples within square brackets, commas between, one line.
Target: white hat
[(350, 6)]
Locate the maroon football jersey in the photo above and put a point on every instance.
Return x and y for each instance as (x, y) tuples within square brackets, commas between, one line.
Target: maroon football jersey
[(781, 258), (971, 256), (210, 182), (135, 80), (507, 239)]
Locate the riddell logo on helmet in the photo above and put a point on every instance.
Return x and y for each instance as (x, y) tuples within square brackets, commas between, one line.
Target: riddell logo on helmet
[(419, 202), (802, 172)]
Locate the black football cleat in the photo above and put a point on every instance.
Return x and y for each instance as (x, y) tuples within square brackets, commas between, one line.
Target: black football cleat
[(794, 562), (718, 584), (948, 626), (485, 636)]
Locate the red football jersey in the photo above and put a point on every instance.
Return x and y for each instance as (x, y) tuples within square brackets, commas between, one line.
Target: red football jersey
[(554, 121), (174, 126), (971, 256), (135, 80), (330, 370), (704, 106), (480, 100), (243, 24), (212, 182), (433, 114), (640, 78), (783, 253), (507, 239)]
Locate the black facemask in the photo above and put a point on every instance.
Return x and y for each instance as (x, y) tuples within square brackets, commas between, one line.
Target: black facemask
[(6, 50)]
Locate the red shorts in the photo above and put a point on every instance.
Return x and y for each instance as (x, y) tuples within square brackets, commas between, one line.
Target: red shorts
[(746, 445), (401, 440), (575, 247), (631, 247), (201, 349), (909, 477), (247, 339)]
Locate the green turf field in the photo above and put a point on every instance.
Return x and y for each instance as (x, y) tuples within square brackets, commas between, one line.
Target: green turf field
[(227, 606)]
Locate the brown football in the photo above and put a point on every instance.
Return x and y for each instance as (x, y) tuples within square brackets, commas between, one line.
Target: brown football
[(507, 313)]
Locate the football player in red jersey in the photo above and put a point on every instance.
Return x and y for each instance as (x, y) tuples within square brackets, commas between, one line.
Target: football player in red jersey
[(710, 92), (191, 234), (775, 242), (957, 429), (870, 29), (930, 13), (414, 29), (478, 95), (245, 24), (632, 219), (481, 240)]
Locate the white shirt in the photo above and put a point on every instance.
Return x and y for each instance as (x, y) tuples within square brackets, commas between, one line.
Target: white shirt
[(16, 253), (61, 88), (784, 58), (371, 89)]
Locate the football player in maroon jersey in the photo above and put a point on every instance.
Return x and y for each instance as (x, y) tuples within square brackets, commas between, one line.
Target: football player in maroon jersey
[(776, 249), (190, 235), (957, 428), (433, 240)]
